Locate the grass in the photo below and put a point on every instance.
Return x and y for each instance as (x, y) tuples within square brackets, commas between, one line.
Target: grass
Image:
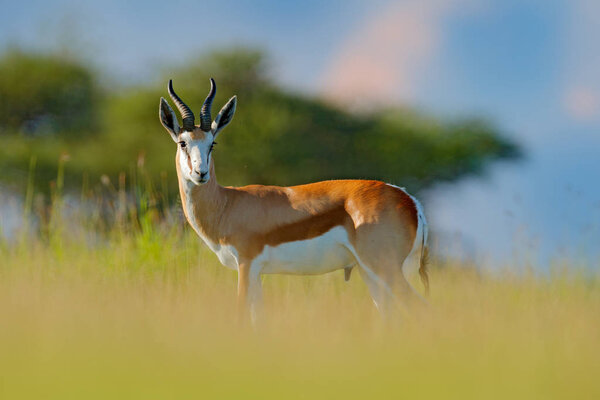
[(127, 303), (153, 316)]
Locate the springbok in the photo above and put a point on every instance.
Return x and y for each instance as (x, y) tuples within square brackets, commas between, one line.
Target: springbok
[(303, 230)]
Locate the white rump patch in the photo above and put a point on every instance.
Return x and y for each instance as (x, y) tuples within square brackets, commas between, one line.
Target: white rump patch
[(411, 265)]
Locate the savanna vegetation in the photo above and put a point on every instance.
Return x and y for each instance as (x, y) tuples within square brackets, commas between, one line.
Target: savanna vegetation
[(142, 310), (111, 296), (52, 107)]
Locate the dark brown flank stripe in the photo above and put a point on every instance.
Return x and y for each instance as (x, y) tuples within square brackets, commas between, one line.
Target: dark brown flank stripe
[(316, 225), (308, 228)]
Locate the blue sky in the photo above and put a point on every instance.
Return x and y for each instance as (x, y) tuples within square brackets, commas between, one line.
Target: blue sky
[(533, 67)]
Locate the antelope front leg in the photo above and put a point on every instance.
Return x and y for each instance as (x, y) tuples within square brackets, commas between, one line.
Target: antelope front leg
[(243, 284), (255, 295), (249, 292)]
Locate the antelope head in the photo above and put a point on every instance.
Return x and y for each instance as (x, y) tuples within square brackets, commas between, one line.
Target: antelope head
[(195, 142)]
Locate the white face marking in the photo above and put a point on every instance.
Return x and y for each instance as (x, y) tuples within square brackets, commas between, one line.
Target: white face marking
[(199, 154), (319, 255)]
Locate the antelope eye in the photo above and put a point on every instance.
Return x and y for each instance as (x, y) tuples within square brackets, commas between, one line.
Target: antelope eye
[(182, 144)]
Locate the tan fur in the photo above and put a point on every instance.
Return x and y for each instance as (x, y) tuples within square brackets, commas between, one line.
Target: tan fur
[(197, 134), (251, 217), (381, 221)]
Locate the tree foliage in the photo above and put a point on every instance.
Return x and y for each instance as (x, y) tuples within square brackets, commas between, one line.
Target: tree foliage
[(276, 137), (45, 93)]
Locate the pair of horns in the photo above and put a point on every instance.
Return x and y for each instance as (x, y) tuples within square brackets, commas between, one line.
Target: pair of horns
[(187, 115)]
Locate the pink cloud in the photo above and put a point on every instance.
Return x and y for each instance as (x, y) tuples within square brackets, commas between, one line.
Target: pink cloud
[(381, 62), (581, 92), (582, 103)]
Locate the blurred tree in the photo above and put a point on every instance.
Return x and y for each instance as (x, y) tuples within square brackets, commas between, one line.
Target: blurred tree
[(45, 94), (281, 137), (277, 136)]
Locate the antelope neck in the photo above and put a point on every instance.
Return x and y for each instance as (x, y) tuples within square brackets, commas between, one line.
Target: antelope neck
[(203, 205)]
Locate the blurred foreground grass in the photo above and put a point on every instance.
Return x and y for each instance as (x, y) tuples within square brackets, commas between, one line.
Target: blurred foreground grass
[(110, 296), (152, 315)]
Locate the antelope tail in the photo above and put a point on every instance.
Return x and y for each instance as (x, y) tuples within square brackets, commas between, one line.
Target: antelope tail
[(423, 265), (424, 256)]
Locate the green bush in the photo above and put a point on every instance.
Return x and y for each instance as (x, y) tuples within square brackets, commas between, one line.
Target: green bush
[(277, 136), (46, 94)]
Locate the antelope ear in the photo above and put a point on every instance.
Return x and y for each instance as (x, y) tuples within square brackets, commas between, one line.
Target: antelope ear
[(168, 119), (224, 117)]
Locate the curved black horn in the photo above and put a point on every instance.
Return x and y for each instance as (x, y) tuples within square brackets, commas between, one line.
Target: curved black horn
[(187, 115), (205, 118)]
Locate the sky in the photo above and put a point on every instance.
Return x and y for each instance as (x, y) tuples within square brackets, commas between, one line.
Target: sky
[(531, 67)]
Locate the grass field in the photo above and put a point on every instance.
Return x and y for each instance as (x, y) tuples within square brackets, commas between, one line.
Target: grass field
[(151, 314)]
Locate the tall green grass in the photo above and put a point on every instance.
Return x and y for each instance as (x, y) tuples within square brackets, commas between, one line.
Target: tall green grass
[(123, 301)]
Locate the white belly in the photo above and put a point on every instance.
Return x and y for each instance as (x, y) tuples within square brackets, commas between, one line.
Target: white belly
[(319, 255)]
